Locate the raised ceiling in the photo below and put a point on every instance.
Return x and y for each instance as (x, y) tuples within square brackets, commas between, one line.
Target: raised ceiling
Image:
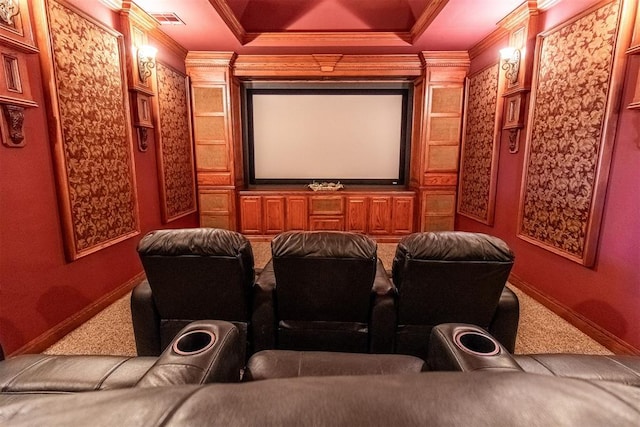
[(322, 26)]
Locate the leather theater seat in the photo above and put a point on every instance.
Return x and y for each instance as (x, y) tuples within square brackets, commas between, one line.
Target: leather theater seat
[(324, 291), (482, 352), (202, 352), (192, 274), (426, 399), (444, 277), (270, 364)]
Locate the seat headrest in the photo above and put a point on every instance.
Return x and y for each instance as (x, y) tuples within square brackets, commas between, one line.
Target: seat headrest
[(193, 241), (325, 244), (455, 246)]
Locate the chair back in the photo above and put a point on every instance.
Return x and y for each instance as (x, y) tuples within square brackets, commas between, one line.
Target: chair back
[(197, 274), (447, 277), (324, 289)]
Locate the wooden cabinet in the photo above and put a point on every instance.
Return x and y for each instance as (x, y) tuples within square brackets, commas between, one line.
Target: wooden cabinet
[(251, 215), (383, 214), (296, 213), (327, 213), (402, 215), (273, 214), (357, 214), (380, 215)]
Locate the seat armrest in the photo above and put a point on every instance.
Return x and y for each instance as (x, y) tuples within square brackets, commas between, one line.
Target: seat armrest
[(504, 325), (146, 321), (382, 327), (52, 373), (463, 347), (263, 318), (204, 351)]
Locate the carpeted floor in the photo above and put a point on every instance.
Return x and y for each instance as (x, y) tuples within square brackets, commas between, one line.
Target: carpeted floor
[(539, 331)]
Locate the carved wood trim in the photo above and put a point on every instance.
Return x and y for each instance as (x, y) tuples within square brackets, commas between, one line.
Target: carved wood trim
[(431, 11), (12, 125), (488, 42), (321, 38), (327, 65), (520, 15), (229, 19)]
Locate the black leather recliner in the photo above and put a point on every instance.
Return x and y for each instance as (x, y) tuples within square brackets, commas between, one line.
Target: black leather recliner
[(469, 348), (328, 291), (431, 398), (203, 352), (192, 274), (444, 277)]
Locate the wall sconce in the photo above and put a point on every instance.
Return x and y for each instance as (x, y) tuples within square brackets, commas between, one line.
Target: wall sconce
[(146, 61), (511, 63), (9, 9)]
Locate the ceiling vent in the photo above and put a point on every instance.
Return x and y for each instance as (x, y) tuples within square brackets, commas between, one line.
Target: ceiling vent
[(167, 18)]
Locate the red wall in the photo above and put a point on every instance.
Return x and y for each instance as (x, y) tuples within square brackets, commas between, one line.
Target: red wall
[(607, 295), (38, 287)]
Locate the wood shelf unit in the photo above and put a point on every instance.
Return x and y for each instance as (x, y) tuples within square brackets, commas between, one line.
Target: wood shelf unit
[(425, 204), (388, 214)]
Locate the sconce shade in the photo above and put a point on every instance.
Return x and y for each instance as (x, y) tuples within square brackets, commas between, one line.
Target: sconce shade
[(146, 61), (511, 63), (506, 53)]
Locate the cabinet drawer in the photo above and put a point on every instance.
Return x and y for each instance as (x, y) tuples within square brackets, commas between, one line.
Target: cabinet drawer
[(328, 205), (326, 223)]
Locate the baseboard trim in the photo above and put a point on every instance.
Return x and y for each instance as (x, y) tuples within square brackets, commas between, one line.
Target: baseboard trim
[(55, 334), (602, 336)]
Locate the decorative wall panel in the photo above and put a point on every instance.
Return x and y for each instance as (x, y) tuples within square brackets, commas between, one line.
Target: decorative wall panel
[(570, 133), (175, 147), (91, 132), (479, 157)]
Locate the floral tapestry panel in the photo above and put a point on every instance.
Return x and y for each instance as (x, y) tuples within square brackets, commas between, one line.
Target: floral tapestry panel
[(175, 146), (571, 92), (96, 142), (477, 183)]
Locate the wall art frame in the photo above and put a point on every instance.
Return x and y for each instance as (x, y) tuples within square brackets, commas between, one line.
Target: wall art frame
[(90, 128), (569, 143), (480, 150), (174, 144)]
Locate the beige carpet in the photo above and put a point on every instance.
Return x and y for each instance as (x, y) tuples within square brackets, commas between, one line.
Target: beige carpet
[(539, 331)]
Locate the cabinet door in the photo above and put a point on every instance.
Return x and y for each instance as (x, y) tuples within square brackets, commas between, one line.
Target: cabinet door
[(357, 214), (326, 223), (380, 215), (273, 214), (402, 215), (296, 216), (251, 215)]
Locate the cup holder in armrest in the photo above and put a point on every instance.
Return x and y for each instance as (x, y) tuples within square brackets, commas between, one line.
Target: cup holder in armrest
[(204, 351), (476, 343), (466, 348), (194, 342)]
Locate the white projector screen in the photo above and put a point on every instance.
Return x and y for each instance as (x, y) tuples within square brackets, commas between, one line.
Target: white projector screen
[(337, 135)]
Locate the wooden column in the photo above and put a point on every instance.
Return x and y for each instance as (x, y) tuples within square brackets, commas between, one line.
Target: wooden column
[(215, 128), (435, 156)]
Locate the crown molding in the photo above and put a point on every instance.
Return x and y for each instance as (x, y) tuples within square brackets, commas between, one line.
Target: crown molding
[(324, 39), (255, 66), (431, 10), (446, 58)]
